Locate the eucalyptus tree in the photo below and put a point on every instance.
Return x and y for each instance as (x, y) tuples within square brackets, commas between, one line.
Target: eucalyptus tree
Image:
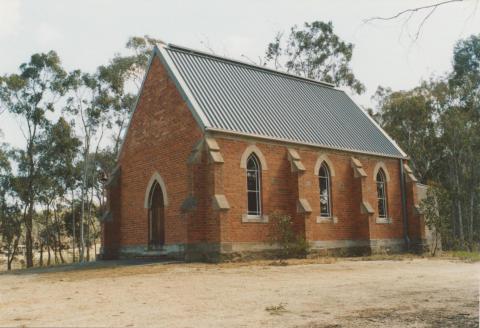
[(314, 51), (89, 107), (461, 125), (438, 124), (410, 118), (10, 225), (29, 95), (58, 172)]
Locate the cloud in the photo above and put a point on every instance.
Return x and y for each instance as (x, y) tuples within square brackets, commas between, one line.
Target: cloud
[(46, 34), (9, 17)]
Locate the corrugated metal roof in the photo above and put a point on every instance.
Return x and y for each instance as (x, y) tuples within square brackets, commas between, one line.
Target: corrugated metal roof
[(247, 99)]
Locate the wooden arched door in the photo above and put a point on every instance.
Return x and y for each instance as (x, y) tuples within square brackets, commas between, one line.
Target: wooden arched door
[(156, 233)]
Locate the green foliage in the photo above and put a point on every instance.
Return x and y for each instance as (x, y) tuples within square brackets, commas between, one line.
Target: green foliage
[(409, 117), (315, 52), (10, 224), (59, 148), (435, 208), (473, 256), (30, 95), (438, 125), (283, 234), (57, 188)]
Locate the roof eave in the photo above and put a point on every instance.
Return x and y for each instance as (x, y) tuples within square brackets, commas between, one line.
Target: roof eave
[(182, 87), (301, 143)]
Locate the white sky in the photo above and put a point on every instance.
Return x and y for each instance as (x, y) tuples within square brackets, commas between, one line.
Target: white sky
[(87, 33)]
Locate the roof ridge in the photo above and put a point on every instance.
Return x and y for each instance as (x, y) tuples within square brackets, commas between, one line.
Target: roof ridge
[(239, 62)]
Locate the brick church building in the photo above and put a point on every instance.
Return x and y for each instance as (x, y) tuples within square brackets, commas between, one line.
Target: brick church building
[(216, 146)]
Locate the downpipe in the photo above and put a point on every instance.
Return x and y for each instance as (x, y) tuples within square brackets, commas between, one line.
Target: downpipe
[(404, 205)]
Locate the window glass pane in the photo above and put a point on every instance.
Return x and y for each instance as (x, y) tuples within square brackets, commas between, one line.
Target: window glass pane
[(252, 163), (252, 203), (323, 172), (324, 208), (381, 207), (252, 180), (323, 184), (381, 190)]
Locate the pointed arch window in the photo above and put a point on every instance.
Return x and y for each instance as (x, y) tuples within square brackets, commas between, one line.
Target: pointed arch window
[(324, 179), (254, 183), (382, 194)]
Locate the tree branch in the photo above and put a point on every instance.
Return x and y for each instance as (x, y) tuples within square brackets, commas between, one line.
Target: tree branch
[(412, 10)]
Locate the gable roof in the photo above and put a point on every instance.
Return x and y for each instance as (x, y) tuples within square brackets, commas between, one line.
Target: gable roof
[(235, 97)]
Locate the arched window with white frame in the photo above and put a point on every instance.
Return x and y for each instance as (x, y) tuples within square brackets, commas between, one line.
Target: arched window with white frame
[(254, 186), (325, 184), (381, 180)]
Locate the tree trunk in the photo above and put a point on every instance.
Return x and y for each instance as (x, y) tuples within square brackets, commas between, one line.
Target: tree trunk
[(60, 249), (88, 252), (73, 228), (41, 254), (470, 226), (49, 259), (59, 235), (28, 235), (458, 203), (460, 222), (82, 216), (55, 250), (13, 253)]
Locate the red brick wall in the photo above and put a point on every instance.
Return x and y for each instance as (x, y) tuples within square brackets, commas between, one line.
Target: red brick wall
[(204, 220), (277, 194), (280, 193), (160, 138), (111, 227)]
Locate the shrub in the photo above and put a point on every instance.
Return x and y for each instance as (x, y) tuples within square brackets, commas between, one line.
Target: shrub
[(283, 234)]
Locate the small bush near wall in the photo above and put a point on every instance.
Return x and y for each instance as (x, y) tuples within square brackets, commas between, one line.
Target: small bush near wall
[(283, 234)]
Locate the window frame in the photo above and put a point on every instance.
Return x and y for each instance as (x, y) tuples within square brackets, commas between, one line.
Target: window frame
[(328, 178), (257, 171), (381, 180)]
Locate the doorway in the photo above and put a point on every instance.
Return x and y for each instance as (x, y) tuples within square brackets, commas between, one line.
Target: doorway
[(156, 217)]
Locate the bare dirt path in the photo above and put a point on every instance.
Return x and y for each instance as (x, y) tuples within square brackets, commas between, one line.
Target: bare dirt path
[(346, 293)]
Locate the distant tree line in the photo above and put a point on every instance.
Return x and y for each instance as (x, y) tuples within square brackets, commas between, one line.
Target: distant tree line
[(51, 190), (438, 124)]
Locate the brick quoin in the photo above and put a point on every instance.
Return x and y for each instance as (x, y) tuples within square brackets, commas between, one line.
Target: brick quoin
[(165, 139)]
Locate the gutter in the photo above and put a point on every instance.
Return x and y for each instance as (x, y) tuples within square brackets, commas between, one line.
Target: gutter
[(404, 205), (300, 143)]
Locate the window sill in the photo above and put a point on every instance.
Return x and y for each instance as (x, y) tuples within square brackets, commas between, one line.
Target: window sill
[(325, 219), (254, 218), (383, 220)]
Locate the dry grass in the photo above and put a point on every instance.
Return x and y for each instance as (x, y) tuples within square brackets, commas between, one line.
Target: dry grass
[(276, 309), (465, 256)]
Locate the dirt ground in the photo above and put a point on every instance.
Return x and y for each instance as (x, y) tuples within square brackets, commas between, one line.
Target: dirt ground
[(335, 293)]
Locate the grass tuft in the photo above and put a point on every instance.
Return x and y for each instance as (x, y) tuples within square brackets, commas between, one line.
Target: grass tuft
[(464, 256), (276, 309)]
